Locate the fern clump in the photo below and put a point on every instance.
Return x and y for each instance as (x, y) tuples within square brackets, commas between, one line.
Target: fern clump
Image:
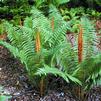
[(40, 44), (88, 70)]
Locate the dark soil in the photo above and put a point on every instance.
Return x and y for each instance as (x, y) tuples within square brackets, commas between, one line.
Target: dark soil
[(15, 82)]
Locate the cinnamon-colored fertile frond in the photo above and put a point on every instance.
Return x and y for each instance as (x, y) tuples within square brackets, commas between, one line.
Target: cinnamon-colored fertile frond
[(3, 36), (21, 22), (80, 44), (52, 23), (37, 42)]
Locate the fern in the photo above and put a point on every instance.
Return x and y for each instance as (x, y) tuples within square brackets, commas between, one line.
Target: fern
[(43, 48), (51, 70), (60, 26), (55, 2), (89, 71), (89, 36), (64, 57), (35, 35)]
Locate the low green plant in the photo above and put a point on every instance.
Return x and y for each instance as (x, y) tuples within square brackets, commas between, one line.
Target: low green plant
[(40, 45), (3, 97), (73, 15), (10, 9), (55, 2), (93, 13), (1, 28)]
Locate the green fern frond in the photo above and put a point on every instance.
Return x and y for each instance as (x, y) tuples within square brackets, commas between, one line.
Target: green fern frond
[(89, 70), (21, 37), (89, 35), (16, 52), (28, 22), (64, 57), (42, 23), (60, 26), (51, 70)]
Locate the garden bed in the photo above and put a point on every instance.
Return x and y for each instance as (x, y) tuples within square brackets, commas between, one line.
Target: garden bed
[(15, 82)]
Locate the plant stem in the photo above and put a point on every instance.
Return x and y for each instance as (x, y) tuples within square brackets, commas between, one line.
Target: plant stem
[(42, 85)]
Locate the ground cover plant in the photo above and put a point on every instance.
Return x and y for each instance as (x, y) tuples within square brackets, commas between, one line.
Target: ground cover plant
[(2, 96)]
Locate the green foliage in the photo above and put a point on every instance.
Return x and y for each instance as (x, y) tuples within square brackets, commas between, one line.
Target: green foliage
[(88, 38), (72, 12), (58, 2), (74, 15), (56, 55), (1, 29), (55, 2), (52, 70), (93, 13), (10, 9), (89, 72), (23, 44), (98, 2), (2, 96)]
